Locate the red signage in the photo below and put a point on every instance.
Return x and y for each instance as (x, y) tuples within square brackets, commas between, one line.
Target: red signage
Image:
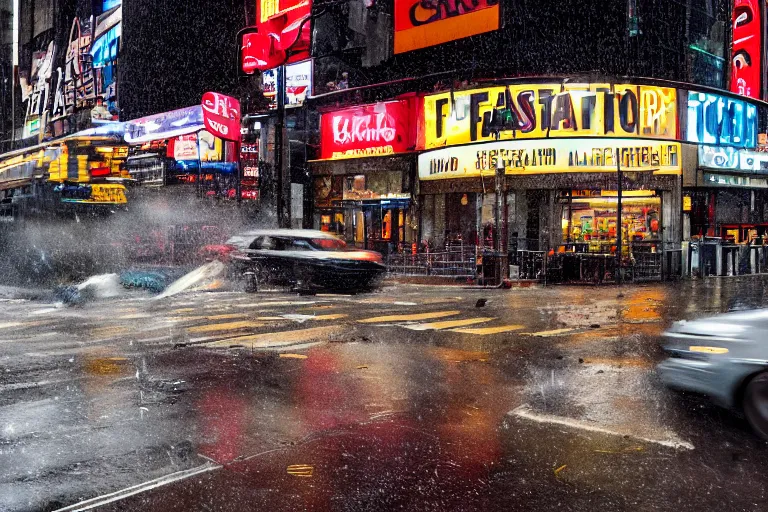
[(746, 55), (368, 130), (281, 35), (423, 23), (221, 115)]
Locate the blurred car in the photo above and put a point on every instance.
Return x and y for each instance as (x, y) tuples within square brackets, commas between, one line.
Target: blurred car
[(306, 259), (724, 357)]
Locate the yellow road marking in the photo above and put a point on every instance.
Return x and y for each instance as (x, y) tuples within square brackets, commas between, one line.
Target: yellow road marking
[(269, 318), (108, 331), (301, 470), (278, 339), (406, 318), (224, 327), (293, 356), (228, 316), (483, 331), (184, 310), (447, 324)]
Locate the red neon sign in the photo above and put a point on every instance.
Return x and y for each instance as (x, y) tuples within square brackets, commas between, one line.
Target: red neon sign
[(747, 43), (281, 35), (221, 115), (369, 130)]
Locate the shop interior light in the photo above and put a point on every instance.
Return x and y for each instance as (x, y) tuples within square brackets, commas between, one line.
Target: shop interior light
[(628, 193), (609, 202)]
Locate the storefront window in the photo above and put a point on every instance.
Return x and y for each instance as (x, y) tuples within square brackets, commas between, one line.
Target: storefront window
[(589, 217)]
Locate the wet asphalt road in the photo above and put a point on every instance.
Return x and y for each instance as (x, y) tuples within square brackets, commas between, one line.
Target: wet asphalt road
[(411, 398)]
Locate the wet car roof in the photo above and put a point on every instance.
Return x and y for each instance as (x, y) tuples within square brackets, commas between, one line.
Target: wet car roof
[(296, 233)]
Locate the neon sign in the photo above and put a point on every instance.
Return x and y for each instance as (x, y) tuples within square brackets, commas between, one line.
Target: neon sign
[(549, 110), (721, 121)]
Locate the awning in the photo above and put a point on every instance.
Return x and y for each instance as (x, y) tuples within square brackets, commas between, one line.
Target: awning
[(165, 126)]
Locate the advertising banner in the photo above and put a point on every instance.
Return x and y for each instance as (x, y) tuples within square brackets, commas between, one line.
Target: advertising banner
[(221, 115), (424, 23), (165, 125), (551, 156), (534, 111), (369, 130), (281, 35), (721, 121), (298, 84), (746, 54)]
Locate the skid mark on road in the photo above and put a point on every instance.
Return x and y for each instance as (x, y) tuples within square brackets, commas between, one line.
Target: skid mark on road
[(485, 331), (448, 324), (670, 439), (409, 317)]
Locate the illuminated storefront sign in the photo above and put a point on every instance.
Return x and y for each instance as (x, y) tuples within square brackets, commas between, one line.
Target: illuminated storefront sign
[(369, 130), (551, 156), (746, 60), (423, 23), (721, 120), (281, 35), (729, 158), (727, 180), (549, 110), (221, 115)]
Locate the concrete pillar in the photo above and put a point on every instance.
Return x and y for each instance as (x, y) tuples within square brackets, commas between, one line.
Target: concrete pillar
[(439, 220)]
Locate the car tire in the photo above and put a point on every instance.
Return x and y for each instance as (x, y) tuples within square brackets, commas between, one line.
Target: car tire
[(756, 404)]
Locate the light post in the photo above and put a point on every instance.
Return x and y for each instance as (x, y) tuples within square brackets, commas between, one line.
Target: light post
[(619, 187), (500, 221)]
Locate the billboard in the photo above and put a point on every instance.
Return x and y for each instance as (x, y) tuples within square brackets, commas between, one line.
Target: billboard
[(298, 84), (746, 55), (281, 35), (721, 120), (424, 23), (533, 111), (370, 130), (551, 156), (221, 115)]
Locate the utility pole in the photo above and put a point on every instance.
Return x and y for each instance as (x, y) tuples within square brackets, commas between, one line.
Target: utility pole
[(619, 177), (282, 201)]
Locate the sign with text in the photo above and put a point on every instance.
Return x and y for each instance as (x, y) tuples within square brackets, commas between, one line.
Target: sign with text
[(730, 158), (221, 115), (727, 180), (164, 126), (369, 130), (424, 23), (721, 120), (525, 111), (551, 156), (746, 60)]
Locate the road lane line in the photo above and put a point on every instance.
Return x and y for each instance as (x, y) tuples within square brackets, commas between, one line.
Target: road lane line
[(409, 317), (229, 326), (484, 331), (100, 501), (304, 318), (447, 324), (278, 339), (525, 412)]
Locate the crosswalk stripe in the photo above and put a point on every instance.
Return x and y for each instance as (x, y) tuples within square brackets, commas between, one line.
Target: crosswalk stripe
[(409, 317), (279, 339), (483, 331), (224, 327), (447, 324), (228, 316), (302, 318)]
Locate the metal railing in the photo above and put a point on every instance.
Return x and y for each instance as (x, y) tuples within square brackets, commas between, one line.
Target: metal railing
[(451, 261)]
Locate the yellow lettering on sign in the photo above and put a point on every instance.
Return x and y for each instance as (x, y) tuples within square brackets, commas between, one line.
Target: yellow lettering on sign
[(523, 111)]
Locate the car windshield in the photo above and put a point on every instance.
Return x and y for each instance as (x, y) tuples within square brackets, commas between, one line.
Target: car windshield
[(328, 244)]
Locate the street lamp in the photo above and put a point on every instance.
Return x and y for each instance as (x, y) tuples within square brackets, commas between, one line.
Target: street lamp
[(619, 187)]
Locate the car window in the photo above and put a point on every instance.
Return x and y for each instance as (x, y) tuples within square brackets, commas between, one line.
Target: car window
[(257, 243), (300, 244)]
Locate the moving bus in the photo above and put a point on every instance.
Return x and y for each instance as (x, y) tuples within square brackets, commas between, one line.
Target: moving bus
[(69, 175)]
